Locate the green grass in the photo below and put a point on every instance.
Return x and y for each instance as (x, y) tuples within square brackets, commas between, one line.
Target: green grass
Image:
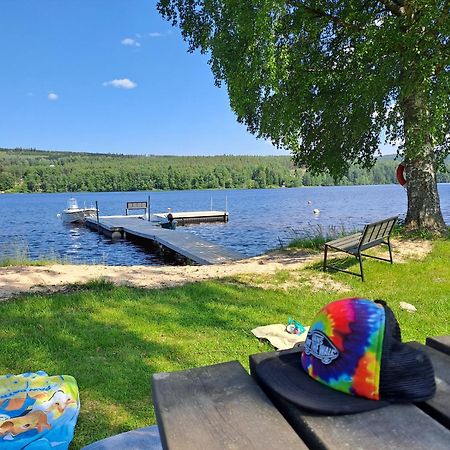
[(112, 339), (8, 262), (16, 253), (315, 237)]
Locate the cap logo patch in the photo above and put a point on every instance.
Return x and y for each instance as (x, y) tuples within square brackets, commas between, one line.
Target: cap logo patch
[(318, 345)]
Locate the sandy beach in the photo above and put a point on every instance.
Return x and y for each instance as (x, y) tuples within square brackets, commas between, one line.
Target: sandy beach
[(17, 280)]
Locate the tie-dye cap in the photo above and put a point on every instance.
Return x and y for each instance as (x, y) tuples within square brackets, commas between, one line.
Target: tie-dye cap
[(353, 361)]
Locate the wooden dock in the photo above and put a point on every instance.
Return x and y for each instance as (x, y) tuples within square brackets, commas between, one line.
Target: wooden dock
[(185, 244), (185, 217)]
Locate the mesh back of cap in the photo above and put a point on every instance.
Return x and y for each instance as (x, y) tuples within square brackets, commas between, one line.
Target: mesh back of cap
[(407, 374)]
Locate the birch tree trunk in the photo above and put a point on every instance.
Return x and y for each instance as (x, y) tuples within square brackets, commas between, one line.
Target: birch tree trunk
[(424, 212)]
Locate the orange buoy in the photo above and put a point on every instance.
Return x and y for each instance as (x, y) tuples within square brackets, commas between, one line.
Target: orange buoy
[(400, 174)]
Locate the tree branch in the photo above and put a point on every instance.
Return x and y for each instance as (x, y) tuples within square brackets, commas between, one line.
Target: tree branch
[(320, 13), (445, 12), (396, 8), (337, 20)]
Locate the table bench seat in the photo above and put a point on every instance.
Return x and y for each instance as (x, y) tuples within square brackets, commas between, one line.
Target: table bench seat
[(441, 343), (141, 439)]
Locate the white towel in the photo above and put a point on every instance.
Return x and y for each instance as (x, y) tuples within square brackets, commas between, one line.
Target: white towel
[(278, 336)]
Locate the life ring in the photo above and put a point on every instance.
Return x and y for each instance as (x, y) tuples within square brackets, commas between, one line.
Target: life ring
[(400, 174)]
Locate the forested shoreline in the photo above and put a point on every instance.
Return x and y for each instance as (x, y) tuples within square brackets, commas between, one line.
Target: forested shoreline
[(29, 170)]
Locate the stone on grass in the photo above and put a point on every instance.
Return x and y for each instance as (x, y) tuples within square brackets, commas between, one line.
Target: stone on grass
[(408, 307)]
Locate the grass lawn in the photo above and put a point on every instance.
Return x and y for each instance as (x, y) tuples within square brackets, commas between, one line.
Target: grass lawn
[(112, 339)]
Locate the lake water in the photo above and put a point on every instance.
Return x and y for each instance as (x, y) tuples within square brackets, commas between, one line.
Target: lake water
[(260, 220)]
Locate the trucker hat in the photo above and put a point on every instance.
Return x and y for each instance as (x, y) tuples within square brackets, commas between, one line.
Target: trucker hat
[(353, 360)]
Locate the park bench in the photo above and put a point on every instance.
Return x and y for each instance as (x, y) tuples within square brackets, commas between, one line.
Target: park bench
[(133, 206), (374, 234), (222, 407)]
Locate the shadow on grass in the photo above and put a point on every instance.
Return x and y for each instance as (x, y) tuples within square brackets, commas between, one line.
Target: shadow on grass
[(113, 339), (344, 263)]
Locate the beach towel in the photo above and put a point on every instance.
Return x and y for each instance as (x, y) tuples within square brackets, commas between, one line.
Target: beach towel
[(37, 411), (277, 335)]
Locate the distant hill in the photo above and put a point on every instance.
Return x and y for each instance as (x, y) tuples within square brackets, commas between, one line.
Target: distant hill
[(29, 170)]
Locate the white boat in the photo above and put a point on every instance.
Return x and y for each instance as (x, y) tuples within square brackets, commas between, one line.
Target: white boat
[(73, 213)]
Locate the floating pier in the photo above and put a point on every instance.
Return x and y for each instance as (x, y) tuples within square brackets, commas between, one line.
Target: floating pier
[(185, 244), (185, 217)]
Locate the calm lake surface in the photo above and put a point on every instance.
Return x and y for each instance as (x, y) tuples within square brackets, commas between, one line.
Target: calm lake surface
[(260, 220)]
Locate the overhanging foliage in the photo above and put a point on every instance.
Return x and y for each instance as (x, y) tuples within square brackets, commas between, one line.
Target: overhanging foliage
[(324, 78)]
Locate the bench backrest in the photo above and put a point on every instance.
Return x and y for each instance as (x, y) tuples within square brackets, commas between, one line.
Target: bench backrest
[(374, 233), (136, 205)]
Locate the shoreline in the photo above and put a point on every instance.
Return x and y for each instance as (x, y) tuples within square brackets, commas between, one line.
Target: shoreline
[(22, 280), (208, 189)]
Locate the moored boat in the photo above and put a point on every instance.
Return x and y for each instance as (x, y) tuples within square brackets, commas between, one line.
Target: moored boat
[(74, 214)]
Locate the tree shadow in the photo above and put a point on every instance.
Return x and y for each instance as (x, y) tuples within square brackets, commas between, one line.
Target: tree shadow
[(112, 340)]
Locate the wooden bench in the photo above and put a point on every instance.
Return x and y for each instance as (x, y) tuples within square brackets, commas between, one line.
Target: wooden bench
[(132, 206), (374, 234), (222, 407)]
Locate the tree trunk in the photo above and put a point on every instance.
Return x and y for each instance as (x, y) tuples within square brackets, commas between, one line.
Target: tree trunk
[(424, 210)]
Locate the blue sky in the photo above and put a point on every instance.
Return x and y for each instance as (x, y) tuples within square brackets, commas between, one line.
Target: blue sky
[(109, 76)]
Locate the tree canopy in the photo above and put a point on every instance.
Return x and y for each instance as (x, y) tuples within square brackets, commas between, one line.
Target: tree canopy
[(328, 79)]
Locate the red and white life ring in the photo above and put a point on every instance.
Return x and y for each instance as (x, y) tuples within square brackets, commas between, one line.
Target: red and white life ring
[(400, 174)]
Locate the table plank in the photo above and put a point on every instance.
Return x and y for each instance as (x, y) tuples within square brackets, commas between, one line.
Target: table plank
[(218, 407), (439, 405), (441, 343), (400, 427)]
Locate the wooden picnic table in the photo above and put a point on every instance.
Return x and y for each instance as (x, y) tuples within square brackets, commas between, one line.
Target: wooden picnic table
[(222, 407)]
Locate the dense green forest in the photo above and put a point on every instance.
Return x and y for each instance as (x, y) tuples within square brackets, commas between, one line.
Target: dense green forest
[(27, 170)]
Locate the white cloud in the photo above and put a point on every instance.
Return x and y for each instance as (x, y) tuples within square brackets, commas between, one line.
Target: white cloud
[(130, 42), (52, 96), (155, 34), (123, 83)]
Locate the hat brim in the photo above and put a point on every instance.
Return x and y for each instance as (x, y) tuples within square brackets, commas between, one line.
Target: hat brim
[(284, 376)]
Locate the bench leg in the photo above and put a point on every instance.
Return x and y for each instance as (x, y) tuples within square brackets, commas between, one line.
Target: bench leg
[(325, 258), (390, 250), (361, 266)]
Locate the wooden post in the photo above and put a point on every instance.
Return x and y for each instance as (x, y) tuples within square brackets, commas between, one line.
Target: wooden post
[(149, 209), (226, 208), (98, 219)]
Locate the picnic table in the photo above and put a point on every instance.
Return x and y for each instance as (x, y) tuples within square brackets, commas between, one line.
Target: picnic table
[(223, 407)]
